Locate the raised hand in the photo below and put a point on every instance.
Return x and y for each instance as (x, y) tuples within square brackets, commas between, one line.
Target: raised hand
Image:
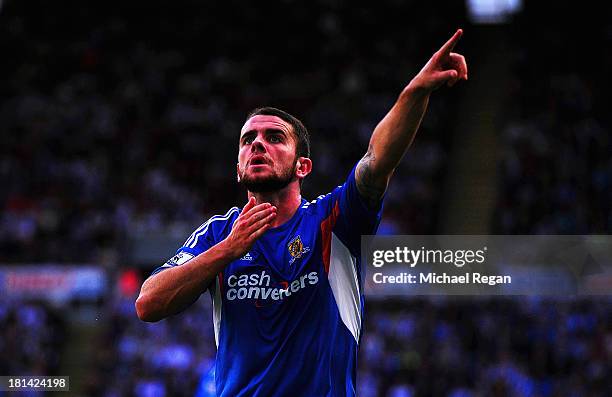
[(252, 222), (444, 67)]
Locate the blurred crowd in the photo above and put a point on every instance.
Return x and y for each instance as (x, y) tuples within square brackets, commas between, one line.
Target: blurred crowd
[(556, 166), (487, 347), (420, 347), (139, 359), (32, 337), (122, 123)]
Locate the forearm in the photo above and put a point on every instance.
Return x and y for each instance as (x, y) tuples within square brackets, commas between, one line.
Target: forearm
[(389, 142), (172, 290), (396, 131)]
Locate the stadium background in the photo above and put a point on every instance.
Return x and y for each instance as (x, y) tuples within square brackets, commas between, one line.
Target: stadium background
[(118, 133)]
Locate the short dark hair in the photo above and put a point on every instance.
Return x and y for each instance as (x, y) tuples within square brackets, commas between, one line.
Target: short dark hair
[(300, 132)]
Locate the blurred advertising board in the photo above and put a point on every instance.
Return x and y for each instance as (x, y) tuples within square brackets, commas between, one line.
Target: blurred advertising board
[(57, 283)]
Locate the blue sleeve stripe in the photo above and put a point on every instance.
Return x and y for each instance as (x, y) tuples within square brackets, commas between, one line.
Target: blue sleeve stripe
[(192, 241)]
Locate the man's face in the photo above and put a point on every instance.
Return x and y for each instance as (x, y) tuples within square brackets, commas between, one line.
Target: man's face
[(267, 154)]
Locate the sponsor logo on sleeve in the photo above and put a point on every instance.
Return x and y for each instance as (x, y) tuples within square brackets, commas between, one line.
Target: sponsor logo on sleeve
[(179, 259)]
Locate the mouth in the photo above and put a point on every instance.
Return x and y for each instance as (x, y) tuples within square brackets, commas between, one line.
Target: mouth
[(258, 160)]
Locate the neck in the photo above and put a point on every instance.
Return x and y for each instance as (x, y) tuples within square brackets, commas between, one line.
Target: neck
[(287, 201)]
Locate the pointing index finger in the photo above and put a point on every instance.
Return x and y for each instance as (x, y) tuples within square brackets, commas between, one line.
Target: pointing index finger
[(450, 44)]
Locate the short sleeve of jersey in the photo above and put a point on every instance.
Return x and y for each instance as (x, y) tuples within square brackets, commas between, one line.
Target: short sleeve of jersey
[(203, 238), (354, 217)]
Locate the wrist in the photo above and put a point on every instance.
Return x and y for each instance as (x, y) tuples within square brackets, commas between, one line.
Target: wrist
[(415, 89), (227, 252)]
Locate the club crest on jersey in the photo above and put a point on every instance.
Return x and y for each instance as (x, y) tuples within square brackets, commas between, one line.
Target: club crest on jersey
[(296, 249)]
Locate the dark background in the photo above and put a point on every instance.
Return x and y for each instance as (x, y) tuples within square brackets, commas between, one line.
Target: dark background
[(119, 127)]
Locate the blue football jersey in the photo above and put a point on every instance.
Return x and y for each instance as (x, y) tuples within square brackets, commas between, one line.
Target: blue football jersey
[(288, 314)]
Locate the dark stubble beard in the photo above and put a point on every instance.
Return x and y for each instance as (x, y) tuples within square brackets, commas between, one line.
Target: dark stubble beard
[(269, 184)]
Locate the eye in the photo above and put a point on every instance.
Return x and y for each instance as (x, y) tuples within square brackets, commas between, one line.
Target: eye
[(248, 140), (275, 139)]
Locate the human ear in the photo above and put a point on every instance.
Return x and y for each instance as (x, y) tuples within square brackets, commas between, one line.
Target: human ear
[(303, 167)]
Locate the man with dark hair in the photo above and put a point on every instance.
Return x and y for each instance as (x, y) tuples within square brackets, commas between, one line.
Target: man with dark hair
[(300, 132), (283, 272), (302, 143)]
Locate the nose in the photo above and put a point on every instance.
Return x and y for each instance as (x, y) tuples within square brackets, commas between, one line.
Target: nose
[(257, 145)]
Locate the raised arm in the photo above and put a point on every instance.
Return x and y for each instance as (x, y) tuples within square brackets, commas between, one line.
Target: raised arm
[(395, 132), (173, 290)]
